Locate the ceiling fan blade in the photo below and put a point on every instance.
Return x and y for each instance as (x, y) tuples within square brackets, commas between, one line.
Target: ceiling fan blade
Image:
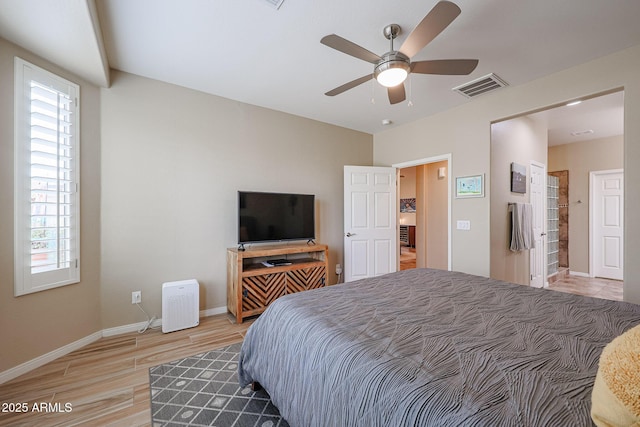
[(396, 94), (431, 25), (350, 48), (445, 66), (345, 87)]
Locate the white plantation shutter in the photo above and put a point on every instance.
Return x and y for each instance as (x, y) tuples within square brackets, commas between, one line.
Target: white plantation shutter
[(46, 192)]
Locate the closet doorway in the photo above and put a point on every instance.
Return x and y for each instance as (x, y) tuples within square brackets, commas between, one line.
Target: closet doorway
[(424, 217)]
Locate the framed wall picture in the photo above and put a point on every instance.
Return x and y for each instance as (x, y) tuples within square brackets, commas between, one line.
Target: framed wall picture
[(518, 178), (470, 186), (408, 205)]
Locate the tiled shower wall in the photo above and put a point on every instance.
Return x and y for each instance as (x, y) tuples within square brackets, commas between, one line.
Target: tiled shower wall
[(563, 217)]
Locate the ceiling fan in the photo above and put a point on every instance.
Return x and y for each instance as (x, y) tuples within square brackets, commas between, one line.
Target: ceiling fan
[(392, 68)]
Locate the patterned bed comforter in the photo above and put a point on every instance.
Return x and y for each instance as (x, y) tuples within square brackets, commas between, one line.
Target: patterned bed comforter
[(432, 348)]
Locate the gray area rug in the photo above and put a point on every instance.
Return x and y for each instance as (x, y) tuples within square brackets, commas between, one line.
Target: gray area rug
[(202, 390)]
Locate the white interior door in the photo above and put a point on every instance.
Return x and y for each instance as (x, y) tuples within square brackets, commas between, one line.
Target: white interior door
[(538, 202), (607, 224), (370, 225)]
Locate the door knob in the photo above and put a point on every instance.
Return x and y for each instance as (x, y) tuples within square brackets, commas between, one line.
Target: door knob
[(351, 234)]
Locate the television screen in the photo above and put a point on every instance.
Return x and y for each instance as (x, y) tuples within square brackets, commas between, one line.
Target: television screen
[(265, 217)]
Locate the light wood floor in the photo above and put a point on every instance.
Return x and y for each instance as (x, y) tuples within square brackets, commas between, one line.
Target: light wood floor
[(107, 382), (591, 287), (407, 258)]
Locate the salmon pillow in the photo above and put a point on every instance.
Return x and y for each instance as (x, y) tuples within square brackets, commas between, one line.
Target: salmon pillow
[(615, 400)]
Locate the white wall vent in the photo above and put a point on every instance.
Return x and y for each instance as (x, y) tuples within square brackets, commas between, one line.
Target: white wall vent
[(480, 85), (180, 305)]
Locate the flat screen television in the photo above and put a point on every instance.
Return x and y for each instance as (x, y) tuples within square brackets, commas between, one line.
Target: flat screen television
[(272, 217)]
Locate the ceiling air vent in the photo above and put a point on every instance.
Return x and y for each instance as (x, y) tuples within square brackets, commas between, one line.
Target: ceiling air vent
[(480, 85)]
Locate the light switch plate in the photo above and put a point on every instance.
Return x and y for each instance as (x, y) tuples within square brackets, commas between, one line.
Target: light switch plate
[(464, 225)]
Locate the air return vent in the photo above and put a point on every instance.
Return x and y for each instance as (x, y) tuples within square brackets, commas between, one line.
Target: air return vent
[(480, 85)]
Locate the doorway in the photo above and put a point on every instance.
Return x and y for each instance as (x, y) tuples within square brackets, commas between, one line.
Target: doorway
[(572, 140), (424, 189), (592, 140), (407, 218)]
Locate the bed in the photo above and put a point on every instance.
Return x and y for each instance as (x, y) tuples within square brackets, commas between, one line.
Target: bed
[(428, 347)]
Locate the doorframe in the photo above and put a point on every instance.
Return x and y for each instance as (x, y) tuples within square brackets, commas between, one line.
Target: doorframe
[(545, 249), (592, 178), (426, 161)]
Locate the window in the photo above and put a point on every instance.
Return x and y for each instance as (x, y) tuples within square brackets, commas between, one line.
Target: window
[(46, 180)]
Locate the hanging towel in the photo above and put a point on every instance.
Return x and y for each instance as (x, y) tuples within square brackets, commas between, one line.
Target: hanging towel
[(521, 227)]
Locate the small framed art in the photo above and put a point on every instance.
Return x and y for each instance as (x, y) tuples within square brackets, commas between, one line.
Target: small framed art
[(518, 178), (408, 205), (470, 186)]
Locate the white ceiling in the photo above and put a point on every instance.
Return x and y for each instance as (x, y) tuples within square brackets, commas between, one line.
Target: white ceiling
[(595, 118), (249, 51)]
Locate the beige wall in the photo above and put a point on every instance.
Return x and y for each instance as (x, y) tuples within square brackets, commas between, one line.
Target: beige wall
[(519, 140), (580, 159), (465, 132), (173, 160), (160, 168), (455, 131), (34, 324)]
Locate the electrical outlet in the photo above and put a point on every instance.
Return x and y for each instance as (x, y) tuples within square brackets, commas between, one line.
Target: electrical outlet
[(136, 297)]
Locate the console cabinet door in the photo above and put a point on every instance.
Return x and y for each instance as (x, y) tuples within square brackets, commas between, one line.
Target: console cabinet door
[(305, 279), (260, 291)]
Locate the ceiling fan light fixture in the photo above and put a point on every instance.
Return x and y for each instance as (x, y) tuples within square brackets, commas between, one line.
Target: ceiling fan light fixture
[(392, 70), (392, 77)]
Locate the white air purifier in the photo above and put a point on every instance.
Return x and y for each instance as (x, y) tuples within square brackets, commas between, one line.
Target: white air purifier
[(180, 305)]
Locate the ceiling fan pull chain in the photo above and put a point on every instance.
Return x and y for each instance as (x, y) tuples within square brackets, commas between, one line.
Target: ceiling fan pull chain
[(410, 103), (373, 91)]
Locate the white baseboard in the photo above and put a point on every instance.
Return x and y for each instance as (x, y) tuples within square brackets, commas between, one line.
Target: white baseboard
[(579, 274), (23, 368), (213, 311), (133, 327), (32, 364)]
